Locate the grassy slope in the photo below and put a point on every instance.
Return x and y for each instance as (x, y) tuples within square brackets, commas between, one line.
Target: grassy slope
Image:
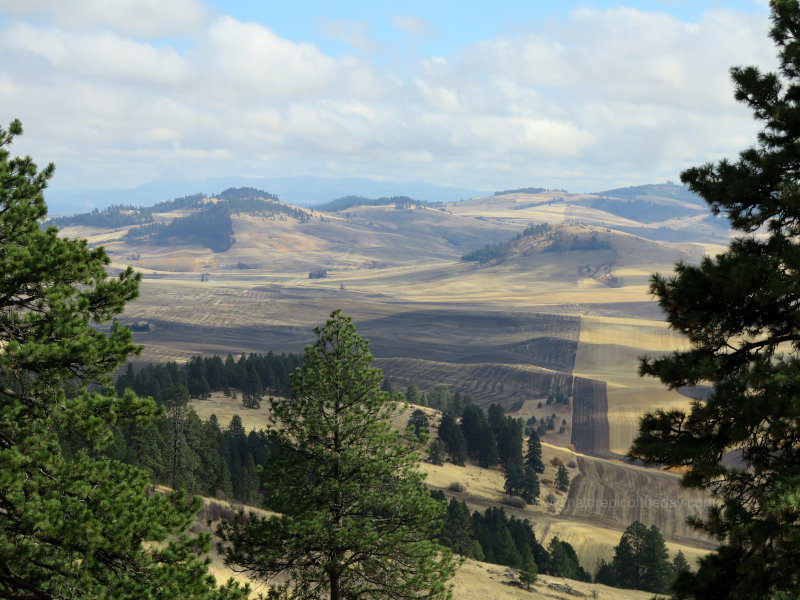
[(398, 274), (604, 497)]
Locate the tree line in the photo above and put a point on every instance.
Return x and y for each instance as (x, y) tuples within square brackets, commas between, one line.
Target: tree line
[(493, 251), (253, 375), (488, 438), (346, 202), (498, 538)]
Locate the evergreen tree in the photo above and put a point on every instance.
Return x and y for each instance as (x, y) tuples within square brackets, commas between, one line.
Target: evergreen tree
[(481, 444), (437, 452), (413, 395), (509, 441), (562, 478), (523, 482), (528, 570), (533, 455), (679, 563), (252, 390), (177, 405), (72, 524), (493, 534), (439, 398), (606, 574), (418, 422), (247, 487), (457, 531), (740, 313), (450, 433), (560, 564), (641, 561), (356, 517)]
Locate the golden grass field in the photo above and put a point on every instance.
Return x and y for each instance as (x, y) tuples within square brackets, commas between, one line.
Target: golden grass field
[(508, 331)]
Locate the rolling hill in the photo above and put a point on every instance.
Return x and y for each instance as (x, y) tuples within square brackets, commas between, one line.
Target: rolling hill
[(563, 308)]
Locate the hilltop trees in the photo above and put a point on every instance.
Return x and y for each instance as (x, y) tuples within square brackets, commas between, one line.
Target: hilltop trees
[(356, 518), (72, 525), (741, 313)]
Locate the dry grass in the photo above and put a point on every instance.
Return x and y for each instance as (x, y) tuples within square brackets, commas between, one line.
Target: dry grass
[(399, 275)]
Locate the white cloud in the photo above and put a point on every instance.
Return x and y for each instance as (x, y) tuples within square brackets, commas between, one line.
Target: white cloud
[(619, 96), (415, 26), (354, 32), (144, 18)]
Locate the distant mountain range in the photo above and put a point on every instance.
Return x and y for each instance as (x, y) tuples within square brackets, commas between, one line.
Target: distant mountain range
[(313, 191), (301, 191)]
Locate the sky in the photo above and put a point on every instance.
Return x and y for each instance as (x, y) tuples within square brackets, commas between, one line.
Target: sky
[(583, 96)]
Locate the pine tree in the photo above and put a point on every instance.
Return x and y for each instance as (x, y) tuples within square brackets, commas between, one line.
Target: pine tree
[(418, 422), (72, 525), (533, 454), (641, 561), (528, 571), (413, 395), (177, 404), (450, 433), (458, 533), (481, 444), (739, 311), (562, 478), (437, 452), (356, 518)]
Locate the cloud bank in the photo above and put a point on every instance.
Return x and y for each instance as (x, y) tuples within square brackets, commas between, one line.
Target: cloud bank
[(120, 94)]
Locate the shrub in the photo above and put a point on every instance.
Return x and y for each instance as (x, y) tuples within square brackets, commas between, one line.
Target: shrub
[(457, 486), (572, 464), (556, 461), (515, 501)]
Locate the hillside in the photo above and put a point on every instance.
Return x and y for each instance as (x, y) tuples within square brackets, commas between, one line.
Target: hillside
[(604, 497), (563, 309)]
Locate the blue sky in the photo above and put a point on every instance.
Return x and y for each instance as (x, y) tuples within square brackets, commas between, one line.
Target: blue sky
[(577, 95)]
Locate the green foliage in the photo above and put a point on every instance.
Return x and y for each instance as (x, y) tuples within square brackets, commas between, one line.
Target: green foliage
[(458, 533), (641, 561), (356, 518), (72, 524), (202, 375), (479, 437), (453, 438), (494, 251), (504, 540), (437, 452), (739, 311), (533, 454), (563, 561), (418, 422), (522, 481), (562, 478), (528, 571), (413, 395)]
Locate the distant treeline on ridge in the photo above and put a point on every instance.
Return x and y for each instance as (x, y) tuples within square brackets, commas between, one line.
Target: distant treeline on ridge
[(346, 202), (492, 251), (209, 225), (527, 190)]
